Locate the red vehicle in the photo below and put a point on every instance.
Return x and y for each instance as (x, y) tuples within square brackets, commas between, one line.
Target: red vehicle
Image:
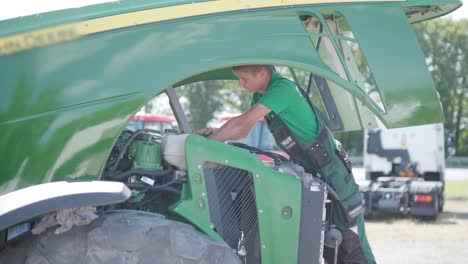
[(156, 122), (260, 137)]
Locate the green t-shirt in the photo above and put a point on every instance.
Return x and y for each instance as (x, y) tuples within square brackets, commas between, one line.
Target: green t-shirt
[(284, 99)]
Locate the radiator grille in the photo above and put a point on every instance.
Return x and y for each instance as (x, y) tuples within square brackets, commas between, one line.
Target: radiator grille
[(233, 210)]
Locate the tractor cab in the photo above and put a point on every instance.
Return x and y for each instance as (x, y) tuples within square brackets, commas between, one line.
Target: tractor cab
[(73, 79)]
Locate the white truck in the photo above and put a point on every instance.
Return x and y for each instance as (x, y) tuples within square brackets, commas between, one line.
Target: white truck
[(404, 170)]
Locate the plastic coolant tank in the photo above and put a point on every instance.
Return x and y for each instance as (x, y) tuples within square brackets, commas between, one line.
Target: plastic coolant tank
[(173, 148)]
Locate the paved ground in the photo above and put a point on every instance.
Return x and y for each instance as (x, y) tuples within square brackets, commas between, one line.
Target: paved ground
[(407, 240), (450, 174)]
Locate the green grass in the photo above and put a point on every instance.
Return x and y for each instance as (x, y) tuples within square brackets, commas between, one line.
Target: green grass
[(456, 189)]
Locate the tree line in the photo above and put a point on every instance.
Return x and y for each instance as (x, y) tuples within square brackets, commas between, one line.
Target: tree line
[(445, 45)]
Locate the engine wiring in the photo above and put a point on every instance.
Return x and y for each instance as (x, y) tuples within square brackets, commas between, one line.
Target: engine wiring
[(162, 183)]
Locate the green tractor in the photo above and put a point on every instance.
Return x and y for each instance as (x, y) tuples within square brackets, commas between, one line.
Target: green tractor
[(71, 80)]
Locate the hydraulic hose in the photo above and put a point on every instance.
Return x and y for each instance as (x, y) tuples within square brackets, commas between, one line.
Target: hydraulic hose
[(259, 151), (146, 187), (154, 188), (126, 174)]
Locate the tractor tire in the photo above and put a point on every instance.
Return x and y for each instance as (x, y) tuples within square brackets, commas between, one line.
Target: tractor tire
[(121, 237)]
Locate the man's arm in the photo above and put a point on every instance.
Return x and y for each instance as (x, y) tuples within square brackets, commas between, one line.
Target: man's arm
[(240, 126)]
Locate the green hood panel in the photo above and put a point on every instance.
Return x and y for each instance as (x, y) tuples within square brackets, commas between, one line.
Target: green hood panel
[(63, 105)]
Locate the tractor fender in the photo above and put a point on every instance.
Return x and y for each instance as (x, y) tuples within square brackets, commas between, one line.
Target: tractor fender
[(26, 203)]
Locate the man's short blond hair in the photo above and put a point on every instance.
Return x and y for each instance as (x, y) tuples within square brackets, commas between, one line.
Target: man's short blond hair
[(253, 69)]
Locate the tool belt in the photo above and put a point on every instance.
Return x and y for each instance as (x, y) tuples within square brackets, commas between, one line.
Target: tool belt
[(323, 159)]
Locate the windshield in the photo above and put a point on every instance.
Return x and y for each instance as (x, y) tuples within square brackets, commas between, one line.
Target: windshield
[(253, 138), (260, 137), (267, 141)]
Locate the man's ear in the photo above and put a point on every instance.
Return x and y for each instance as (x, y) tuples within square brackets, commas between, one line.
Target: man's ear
[(264, 72)]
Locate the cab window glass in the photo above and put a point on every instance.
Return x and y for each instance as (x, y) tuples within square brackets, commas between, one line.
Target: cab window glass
[(353, 55), (335, 40)]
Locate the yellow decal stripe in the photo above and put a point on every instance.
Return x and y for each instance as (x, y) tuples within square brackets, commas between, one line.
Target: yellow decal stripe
[(52, 35)]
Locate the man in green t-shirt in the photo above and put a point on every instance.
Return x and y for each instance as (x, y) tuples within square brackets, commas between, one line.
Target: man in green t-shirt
[(304, 136)]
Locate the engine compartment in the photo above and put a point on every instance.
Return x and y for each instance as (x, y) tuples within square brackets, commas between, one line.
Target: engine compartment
[(137, 160), (153, 165), (235, 196)]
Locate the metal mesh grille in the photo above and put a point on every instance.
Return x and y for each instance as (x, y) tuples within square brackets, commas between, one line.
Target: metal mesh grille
[(231, 197)]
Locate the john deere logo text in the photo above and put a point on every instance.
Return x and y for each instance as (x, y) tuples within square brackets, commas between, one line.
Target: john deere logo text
[(35, 39)]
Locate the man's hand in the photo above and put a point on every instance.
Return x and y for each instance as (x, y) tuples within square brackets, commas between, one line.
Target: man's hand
[(205, 131)]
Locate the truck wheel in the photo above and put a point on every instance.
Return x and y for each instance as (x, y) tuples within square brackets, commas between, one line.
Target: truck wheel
[(426, 188), (122, 237), (436, 207), (441, 202)]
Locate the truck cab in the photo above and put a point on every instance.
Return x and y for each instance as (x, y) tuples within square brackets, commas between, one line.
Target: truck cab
[(405, 170)]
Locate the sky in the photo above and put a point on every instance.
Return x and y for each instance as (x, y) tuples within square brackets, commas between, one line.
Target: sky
[(461, 12), (28, 7)]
